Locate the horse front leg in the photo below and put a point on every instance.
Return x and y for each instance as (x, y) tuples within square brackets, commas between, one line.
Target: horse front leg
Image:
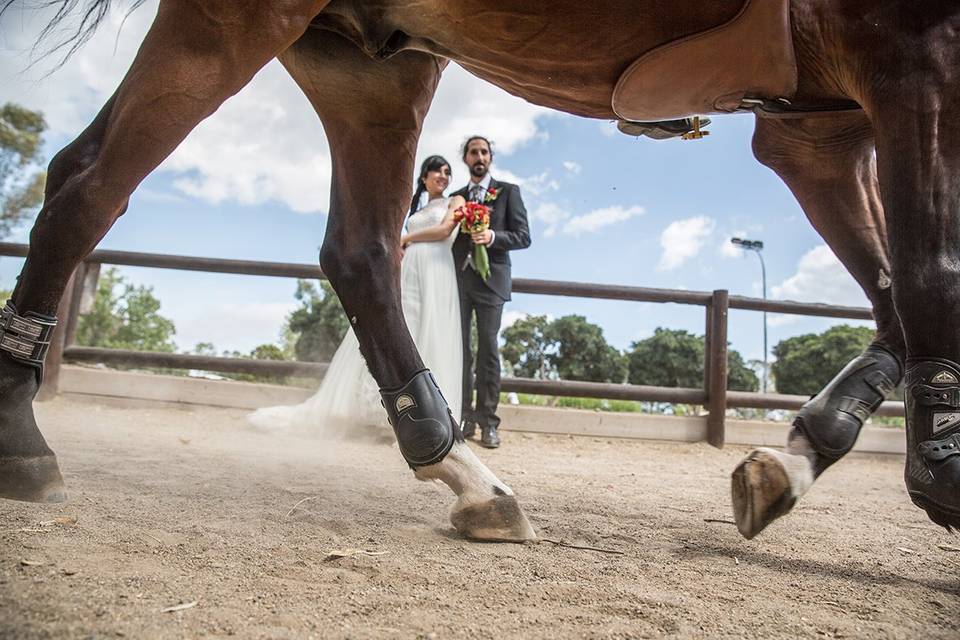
[(828, 163), (192, 59), (372, 112)]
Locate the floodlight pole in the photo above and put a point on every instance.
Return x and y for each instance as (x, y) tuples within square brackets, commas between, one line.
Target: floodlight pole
[(757, 247)]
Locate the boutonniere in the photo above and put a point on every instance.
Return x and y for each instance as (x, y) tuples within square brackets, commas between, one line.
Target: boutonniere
[(491, 194)]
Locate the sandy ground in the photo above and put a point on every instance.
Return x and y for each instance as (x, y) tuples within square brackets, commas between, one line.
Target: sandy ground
[(177, 507)]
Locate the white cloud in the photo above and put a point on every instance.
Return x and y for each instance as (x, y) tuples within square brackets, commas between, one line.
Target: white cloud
[(510, 316), (683, 239), (572, 167), (599, 218), (262, 323), (550, 216), (821, 278), (264, 144)]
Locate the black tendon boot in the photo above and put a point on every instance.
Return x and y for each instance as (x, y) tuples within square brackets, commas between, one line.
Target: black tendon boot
[(832, 420), (421, 419), (933, 438), (28, 468)]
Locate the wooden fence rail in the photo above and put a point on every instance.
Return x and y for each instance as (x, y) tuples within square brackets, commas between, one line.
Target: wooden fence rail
[(714, 394)]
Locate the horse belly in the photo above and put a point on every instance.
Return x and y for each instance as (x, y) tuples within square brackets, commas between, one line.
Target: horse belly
[(565, 55)]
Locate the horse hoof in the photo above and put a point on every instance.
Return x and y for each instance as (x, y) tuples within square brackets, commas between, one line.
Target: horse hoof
[(761, 492), (496, 520), (32, 480)]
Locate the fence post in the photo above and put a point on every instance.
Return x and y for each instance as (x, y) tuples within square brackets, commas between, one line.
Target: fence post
[(51, 368), (717, 357)]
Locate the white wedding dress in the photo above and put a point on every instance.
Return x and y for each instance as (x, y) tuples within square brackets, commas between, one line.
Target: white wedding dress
[(348, 396)]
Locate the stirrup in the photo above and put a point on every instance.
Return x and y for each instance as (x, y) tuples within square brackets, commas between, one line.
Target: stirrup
[(26, 338), (425, 428), (662, 130)]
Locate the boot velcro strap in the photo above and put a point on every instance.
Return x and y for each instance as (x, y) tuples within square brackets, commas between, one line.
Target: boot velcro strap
[(855, 407), (26, 338), (928, 396), (880, 383), (937, 450)]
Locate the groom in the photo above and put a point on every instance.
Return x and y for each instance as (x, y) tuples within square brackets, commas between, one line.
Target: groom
[(508, 231)]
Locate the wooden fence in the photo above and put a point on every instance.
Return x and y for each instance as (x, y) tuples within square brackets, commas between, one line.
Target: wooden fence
[(713, 394)]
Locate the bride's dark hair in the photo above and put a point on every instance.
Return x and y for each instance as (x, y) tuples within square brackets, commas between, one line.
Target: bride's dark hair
[(433, 163)]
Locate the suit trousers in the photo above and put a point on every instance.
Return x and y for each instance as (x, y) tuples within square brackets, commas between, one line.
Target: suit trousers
[(488, 308)]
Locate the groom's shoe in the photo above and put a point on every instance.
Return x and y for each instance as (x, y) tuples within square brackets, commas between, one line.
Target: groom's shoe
[(489, 438), (468, 429)]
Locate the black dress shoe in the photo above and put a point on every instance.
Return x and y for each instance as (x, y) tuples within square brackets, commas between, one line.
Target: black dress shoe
[(469, 429), (489, 438)]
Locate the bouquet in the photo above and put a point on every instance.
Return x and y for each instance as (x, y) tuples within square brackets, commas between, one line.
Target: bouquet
[(473, 218)]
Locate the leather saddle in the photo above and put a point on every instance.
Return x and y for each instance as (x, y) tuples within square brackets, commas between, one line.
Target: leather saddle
[(734, 66)]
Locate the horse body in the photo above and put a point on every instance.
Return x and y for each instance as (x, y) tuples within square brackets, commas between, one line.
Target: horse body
[(567, 56), (369, 69)]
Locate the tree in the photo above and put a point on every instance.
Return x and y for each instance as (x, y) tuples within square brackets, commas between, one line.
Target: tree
[(319, 325), (525, 347), (21, 179), (805, 364), (569, 348), (125, 316), (674, 358), (580, 352)]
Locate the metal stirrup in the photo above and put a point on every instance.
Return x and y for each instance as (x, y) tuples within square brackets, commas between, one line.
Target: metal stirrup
[(26, 338)]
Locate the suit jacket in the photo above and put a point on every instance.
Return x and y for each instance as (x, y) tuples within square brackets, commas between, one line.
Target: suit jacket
[(508, 219)]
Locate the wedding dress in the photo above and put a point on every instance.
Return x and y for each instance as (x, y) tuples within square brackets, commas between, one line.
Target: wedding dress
[(348, 397)]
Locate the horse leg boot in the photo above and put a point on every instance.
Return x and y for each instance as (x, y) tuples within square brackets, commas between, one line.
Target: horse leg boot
[(188, 65), (372, 111), (828, 163), (912, 97)]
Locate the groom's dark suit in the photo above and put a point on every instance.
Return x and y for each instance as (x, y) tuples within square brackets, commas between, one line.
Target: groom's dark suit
[(508, 220)]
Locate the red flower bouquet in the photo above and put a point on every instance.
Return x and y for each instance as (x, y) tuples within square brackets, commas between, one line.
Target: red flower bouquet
[(474, 217)]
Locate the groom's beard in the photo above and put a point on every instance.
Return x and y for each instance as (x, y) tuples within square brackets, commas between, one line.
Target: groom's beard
[(479, 170)]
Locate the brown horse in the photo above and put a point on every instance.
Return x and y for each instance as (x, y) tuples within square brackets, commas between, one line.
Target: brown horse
[(831, 81)]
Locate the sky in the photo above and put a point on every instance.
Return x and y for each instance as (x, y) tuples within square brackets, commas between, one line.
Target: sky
[(252, 182)]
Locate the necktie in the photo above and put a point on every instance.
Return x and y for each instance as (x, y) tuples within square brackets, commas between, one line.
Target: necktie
[(475, 193)]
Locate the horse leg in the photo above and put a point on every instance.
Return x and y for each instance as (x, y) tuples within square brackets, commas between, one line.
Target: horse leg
[(828, 163), (372, 112), (911, 93), (193, 58)]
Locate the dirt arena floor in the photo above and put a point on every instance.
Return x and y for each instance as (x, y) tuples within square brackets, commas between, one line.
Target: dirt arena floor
[(250, 535)]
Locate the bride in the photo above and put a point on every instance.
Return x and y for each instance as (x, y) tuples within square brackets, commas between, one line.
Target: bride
[(348, 397)]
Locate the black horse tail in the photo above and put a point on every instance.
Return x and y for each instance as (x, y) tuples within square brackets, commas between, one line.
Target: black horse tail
[(88, 14)]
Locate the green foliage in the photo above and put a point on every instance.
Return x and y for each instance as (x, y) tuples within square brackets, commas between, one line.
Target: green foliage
[(805, 364), (4, 296), (674, 358), (525, 345), (318, 326), (580, 352), (21, 179), (569, 348), (125, 316)]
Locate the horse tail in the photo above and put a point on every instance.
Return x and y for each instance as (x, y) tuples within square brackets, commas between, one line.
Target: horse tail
[(88, 14)]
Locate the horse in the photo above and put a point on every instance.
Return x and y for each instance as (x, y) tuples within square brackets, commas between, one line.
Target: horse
[(853, 100)]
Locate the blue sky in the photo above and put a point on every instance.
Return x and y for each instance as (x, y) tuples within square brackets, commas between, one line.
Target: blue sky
[(252, 182)]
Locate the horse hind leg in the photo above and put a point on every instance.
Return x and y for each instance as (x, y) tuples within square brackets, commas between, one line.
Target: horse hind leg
[(913, 98), (192, 59), (828, 163), (372, 112)]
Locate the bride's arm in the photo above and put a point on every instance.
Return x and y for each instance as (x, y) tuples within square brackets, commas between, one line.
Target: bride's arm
[(437, 232)]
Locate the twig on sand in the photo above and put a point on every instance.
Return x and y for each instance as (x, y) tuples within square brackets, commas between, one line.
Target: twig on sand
[(180, 607), (299, 502), (561, 543), (720, 521)]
